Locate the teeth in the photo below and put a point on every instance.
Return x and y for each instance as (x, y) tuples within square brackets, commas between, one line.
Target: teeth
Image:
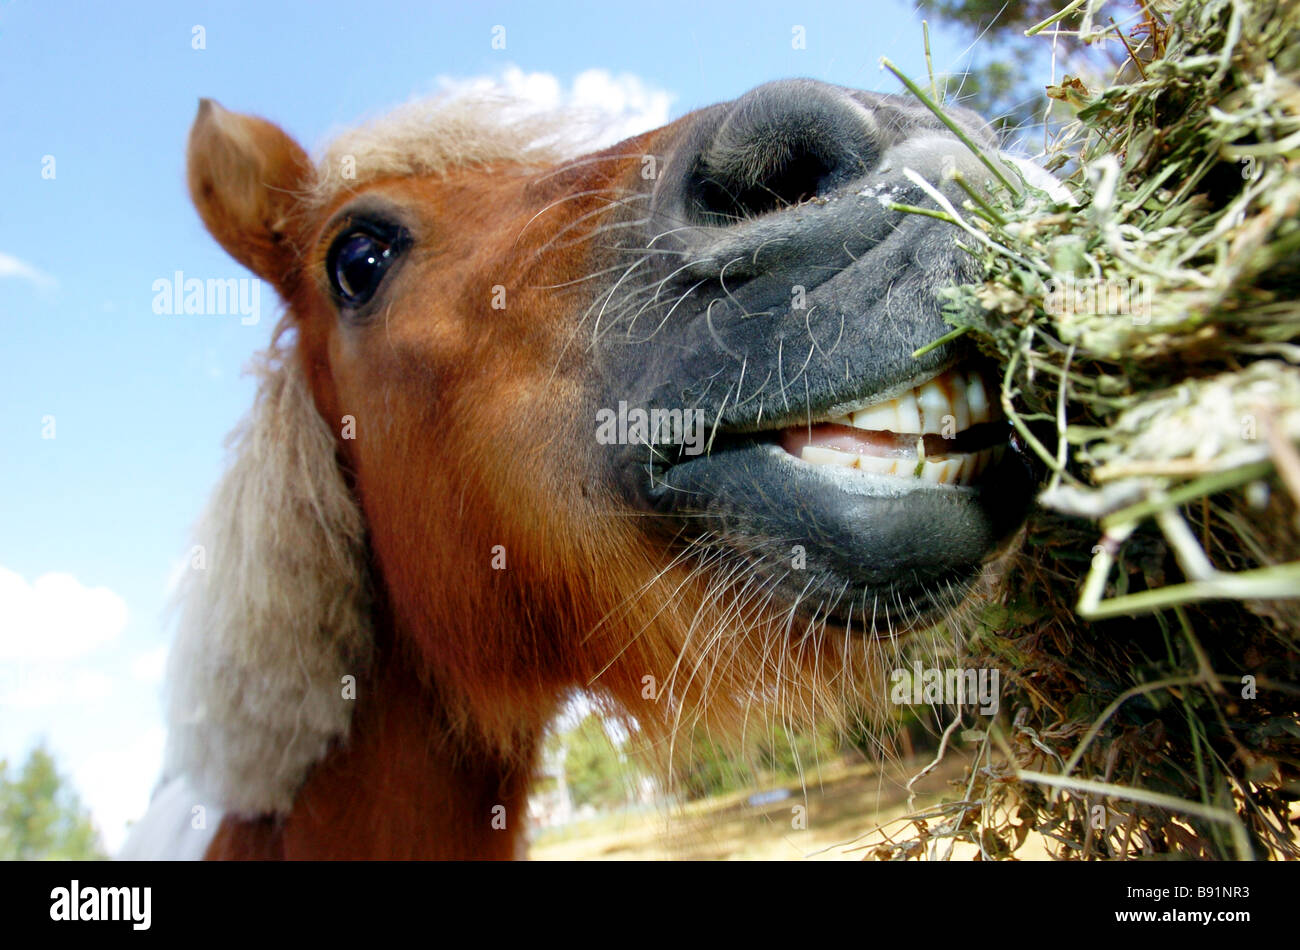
[(977, 399), (954, 470), (823, 456), (909, 413), (935, 408), (972, 466), (944, 406), (881, 417), (879, 465), (944, 472), (961, 413)]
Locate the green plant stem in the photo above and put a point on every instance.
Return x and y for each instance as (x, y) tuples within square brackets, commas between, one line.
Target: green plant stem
[(956, 130)]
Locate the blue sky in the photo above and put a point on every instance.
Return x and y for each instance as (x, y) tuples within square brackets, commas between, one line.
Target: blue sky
[(94, 520)]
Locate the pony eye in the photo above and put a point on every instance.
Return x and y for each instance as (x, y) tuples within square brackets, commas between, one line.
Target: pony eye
[(358, 261)]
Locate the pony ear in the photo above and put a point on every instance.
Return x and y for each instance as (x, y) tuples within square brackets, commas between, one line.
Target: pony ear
[(245, 176), (274, 609)]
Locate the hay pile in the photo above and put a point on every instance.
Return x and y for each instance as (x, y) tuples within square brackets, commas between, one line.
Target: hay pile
[(1149, 638)]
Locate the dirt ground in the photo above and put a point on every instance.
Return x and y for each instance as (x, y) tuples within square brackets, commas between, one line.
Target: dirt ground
[(839, 811)]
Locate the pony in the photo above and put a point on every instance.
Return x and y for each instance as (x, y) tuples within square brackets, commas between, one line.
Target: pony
[(665, 422)]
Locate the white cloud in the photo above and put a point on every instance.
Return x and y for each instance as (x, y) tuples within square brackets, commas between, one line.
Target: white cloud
[(11, 266), (616, 106), (68, 676), (56, 617), (148, 667), (116, 783), (45, 686), (632, 106), (542, 89)]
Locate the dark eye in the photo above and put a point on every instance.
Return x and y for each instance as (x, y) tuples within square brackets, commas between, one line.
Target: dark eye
[(358, 260)]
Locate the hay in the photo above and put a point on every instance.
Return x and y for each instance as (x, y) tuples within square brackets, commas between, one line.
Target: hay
[(1149, 637)]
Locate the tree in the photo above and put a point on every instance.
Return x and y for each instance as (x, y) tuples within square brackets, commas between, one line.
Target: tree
[(597, 773), (41, 815), (712, 770), (1008, 74), (785, 754)]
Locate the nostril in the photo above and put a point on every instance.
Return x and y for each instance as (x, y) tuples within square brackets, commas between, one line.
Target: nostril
[(776, 147), (765, 182)]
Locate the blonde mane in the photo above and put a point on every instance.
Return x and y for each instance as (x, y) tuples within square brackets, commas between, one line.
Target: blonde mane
[(274, 610), (434, 135)]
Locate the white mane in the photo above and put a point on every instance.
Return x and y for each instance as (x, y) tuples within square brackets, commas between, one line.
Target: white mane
[(433, 136), (274, 614)]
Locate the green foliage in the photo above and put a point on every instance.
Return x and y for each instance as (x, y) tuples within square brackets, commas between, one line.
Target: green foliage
[(1007, 77), (789, 755), (600, 774), (711, 771), (998, 16), (597, 773), (41, 816), (777, 754), (1000, 83)]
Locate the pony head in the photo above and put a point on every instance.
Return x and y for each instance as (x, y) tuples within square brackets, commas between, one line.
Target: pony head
[(666, 422)]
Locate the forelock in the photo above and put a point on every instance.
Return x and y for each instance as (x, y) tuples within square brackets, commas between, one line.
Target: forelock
[(434, 136)]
